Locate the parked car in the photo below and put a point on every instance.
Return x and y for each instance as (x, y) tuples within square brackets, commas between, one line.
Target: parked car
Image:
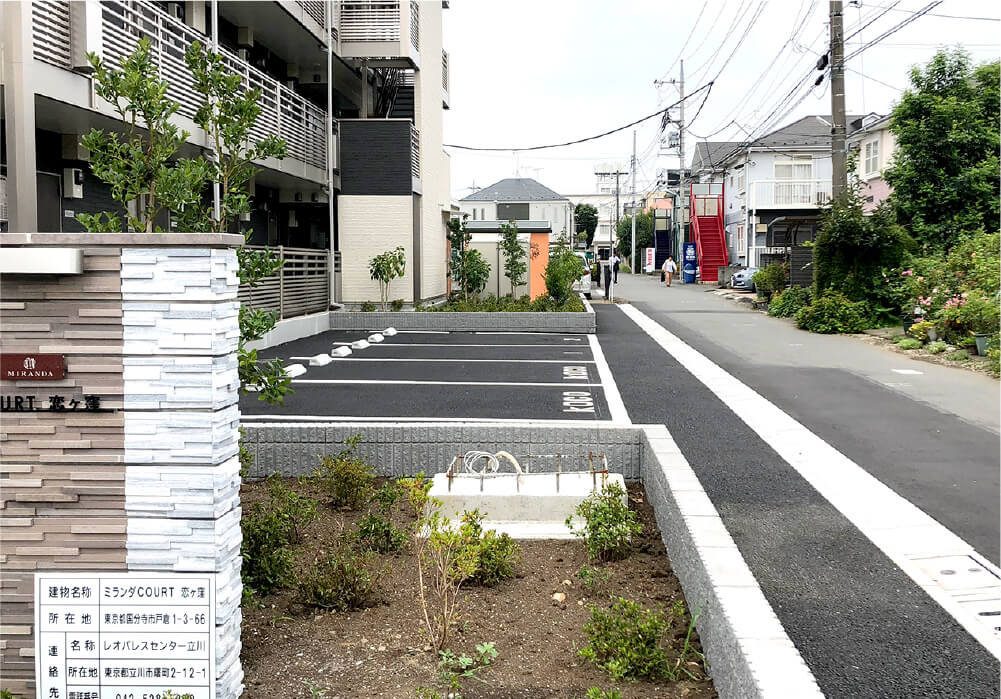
[(583, 285), (744, 279)]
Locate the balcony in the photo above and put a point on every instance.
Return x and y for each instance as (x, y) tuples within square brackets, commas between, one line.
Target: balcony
[(386, 33), (113, 30), (379, 157), (444, 80), (789, 194)]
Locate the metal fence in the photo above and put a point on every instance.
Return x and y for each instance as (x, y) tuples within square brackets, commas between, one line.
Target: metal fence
[(370, 20), (302, 285), (415, 151)]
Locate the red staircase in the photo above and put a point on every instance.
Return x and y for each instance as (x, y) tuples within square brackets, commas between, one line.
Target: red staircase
[(707, 228)]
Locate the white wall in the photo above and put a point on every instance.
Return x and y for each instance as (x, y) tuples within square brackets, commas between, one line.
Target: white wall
[(368, 226), (489, 247)]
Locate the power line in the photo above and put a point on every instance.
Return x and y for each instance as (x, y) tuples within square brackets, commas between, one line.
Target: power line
[(707, 86), (685, 45), (979, 19), (894, 29)]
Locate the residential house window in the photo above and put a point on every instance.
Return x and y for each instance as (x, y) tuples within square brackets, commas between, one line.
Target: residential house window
[(474, 214), (872, 157), (483, 214), (741, 179), (798, 188), (741, 240)]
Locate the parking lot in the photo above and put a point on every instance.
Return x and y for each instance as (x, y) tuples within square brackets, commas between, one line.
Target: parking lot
[(446, 376)]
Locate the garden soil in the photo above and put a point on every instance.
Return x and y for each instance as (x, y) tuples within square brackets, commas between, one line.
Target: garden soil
[(290, 650)]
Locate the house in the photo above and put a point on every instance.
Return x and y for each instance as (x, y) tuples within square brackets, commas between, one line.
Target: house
[(874, 143), (520, 199), (357, 93), (763, 184)]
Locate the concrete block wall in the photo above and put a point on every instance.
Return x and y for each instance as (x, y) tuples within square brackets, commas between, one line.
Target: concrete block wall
[(582, 323), (153, 484)]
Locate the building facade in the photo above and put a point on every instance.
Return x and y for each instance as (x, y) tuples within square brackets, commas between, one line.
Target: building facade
[(520, 199), (874, 145), (356, 89)]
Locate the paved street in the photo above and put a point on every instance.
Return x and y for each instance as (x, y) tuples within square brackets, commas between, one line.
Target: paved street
[(863, 625)]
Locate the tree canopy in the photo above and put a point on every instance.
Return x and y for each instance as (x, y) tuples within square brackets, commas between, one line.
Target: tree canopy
[(944, 173), (644, 236), (586, 221)]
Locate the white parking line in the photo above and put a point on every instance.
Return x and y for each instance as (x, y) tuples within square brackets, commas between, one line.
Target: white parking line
[(907, 371), (357, 418), (402, 382), (616, 408), (906, 534), (492, 361), (443, 344)]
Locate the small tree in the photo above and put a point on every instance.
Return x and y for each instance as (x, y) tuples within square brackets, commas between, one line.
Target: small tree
[(385, 268), (586, 221), (468, 267), (564, 268), (644, 235), (515, 266), (145, 173)]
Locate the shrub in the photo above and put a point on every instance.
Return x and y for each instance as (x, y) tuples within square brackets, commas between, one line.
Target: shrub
[(919, 330), (397, 305), (833, 313), (367, 307), (495, 554), (562, 270), (909, 343), (770, 280), (609, 524), (593, 578), (267, 560), (375, 531), (347, 478), (627, 641), (294, 510), (936, 347), (598, 693), (957, 356), (341, 581), (786, 304)]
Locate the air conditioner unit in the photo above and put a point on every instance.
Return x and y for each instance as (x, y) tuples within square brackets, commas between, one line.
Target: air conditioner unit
[(176, 10)]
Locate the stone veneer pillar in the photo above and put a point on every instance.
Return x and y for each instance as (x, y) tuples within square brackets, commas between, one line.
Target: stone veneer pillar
[(151, 326)]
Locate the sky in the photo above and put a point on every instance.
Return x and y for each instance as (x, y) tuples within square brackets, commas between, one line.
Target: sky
[(538, 72)]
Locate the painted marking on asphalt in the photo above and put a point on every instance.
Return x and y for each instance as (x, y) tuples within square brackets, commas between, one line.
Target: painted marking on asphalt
[(905, 533), (491, 361), (407, 382), (616, 408), (572, 339), (292, 419), (575, 373), (441, 344), (578, 402), (907, 371)]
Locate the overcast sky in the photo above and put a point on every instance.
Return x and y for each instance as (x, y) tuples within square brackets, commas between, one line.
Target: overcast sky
[(533, 72)]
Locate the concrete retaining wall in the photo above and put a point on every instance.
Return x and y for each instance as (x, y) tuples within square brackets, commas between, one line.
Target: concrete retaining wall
[(748, 651), (582, 323)]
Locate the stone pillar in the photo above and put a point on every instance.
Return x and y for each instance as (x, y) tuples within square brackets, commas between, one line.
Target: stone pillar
[(150, 326)]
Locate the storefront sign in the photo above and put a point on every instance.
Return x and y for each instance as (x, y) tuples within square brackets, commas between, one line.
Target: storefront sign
[(124, 635), (32, 367), (689, 263), (51, 404), (649, 259)]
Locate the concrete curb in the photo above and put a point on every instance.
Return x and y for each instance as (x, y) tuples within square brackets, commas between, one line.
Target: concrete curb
[(576, 323), (750, 655)]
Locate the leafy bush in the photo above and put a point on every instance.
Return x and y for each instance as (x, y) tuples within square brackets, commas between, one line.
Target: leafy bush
[(598, 693), (909, 343), (295, 511), (627, 641), (609, 524), (958, 356), (833, 313), (267, 560), (994, 355), (936, 347), (367, 307), (786, 304), (397, 305), (375, 530), (495, 554), (347, 478), (492, 304), (770, 280), (341, 581), (564, 268), (919, 330), (593, 578)]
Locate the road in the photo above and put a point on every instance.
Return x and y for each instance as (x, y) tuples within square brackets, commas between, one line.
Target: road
[(816, 540)]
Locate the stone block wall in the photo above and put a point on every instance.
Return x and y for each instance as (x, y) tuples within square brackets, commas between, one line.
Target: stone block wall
[(150, 327)]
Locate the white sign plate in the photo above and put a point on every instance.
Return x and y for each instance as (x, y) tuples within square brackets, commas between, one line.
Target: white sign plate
[(124, 635)]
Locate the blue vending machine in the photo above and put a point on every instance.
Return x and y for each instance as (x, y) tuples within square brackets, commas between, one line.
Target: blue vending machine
[(689, 263)]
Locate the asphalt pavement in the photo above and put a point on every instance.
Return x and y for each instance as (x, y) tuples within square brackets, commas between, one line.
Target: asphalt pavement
[(864, 627)]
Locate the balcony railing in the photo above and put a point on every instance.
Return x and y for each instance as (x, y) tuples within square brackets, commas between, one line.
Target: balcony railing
[(315, 9), (789, 194), (123, 23), (370, 20), (389, 30), (415, 152), (301, 286), (415, 24), (444, 71)]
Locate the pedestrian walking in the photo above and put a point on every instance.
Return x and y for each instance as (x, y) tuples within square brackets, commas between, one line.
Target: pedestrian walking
[(668, 269), (615, 267)]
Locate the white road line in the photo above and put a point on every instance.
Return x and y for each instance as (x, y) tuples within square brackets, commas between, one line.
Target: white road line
[(905, 533), (443, 383), (511, 332), (616, 408), (907, 371), (284, 419), (340, 360), (442, 344)]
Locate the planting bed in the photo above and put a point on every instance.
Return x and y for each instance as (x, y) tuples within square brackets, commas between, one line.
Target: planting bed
[(381, 651)]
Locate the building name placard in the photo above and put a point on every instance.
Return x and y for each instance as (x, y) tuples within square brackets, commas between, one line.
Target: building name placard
[(124, 635), (32, 367)]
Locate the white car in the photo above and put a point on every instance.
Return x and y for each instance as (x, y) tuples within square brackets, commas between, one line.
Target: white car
[(583, 285)]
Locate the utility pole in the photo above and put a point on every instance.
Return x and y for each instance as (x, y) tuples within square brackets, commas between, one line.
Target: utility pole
[(632, 260), (839, 178), (680, 219)]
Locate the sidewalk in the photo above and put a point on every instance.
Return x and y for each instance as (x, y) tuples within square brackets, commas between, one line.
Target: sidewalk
[(746, 340)]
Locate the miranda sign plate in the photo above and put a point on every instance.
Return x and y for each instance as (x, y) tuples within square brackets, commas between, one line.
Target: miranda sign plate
[(124, 635)]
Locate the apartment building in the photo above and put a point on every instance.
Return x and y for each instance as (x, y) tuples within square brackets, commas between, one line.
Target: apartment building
[(355, 87)]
